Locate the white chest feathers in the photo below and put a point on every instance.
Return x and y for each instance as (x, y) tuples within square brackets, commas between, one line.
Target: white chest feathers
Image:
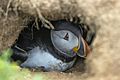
[(40, 58)]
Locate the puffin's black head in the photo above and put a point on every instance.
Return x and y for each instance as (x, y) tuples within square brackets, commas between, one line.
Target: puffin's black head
[(69, 39), (65, 37)]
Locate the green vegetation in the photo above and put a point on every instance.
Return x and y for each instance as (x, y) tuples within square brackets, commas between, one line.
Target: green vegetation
[(10, 71)]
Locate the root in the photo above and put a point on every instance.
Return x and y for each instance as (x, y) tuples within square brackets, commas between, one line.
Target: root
[(8, 9), (45, 22)]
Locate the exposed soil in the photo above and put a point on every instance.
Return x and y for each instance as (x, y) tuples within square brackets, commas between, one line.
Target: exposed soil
[(103, 63)]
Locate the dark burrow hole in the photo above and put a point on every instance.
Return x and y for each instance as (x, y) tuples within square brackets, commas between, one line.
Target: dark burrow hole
[(36, 44)]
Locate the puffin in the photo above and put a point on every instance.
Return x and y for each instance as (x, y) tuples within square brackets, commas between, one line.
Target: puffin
[(52, 49)]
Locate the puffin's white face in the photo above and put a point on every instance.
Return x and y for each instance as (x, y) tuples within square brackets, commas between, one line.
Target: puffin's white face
[(64, 40)]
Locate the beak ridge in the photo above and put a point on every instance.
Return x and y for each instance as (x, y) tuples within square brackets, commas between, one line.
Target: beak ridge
[(82, 49)]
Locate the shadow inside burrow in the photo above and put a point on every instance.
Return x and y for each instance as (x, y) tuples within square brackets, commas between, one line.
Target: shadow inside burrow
[(29, 39)]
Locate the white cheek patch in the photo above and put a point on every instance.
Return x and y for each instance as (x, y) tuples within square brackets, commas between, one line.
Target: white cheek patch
[(60, 43)]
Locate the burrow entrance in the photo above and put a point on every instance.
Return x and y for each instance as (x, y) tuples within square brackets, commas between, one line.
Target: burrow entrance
[(29, 39)]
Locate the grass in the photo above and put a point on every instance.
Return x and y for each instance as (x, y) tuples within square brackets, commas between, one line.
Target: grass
[(10, 71)]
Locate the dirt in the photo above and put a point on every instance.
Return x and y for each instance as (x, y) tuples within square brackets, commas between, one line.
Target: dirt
[(103, 63)]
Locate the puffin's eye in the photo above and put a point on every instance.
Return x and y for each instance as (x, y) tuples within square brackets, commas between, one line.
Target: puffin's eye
[(66, 37)]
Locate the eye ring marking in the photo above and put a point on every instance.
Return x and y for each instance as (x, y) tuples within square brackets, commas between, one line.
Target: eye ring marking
[(66, 37)]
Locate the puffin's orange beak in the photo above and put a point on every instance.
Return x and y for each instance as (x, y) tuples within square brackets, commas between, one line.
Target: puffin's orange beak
[(87, 49)]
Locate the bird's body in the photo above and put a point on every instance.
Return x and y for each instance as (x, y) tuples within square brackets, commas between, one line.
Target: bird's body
[(52, 50)]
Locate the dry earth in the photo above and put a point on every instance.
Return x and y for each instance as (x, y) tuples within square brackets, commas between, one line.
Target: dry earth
[(103, 63)]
